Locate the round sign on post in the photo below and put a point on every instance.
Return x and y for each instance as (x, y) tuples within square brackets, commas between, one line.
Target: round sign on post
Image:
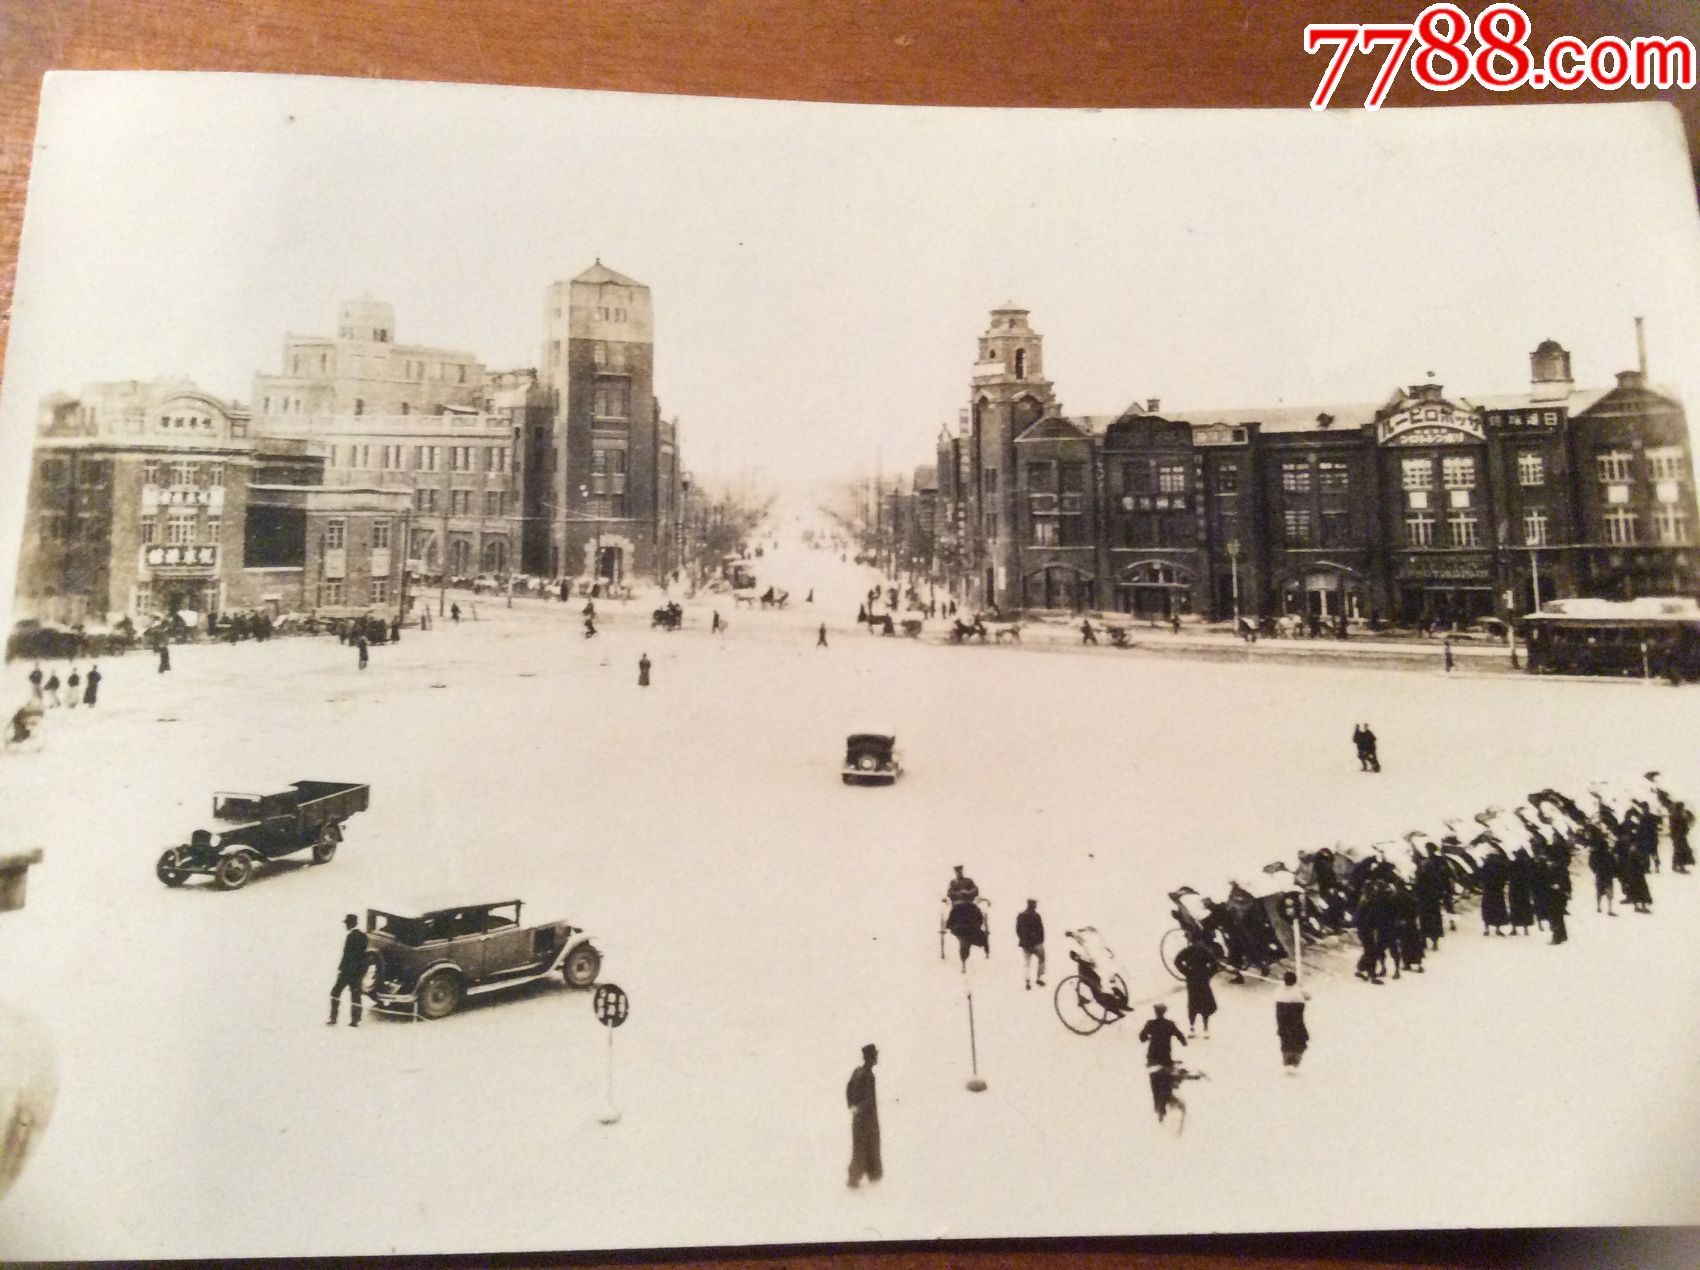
[(612, 1005)]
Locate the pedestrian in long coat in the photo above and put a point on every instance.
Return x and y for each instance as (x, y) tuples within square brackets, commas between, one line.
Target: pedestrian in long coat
[(92, 690), (1446, 648), (1556, 890), (1632, 872), (861, 1096), (1407, 932), (1372, 922), (164, 655), (35, 683), (1495, 874), (1681, 821), (73, 689), (360, 644), (350, 969), (1358, 731), (1158, 1033), (1603, 865), (1290, 1026), (50, 689), (643, 671), (1647, 834), (1430, 887), (1519, 892), (1198, 964)]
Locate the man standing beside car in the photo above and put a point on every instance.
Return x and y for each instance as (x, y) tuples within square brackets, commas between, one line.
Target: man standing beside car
[(349, 971)]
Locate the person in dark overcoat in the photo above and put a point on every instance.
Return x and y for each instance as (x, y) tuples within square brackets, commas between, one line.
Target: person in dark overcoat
[(968, 924), (1555, 888), (1158, 1034), (164, 654), (1408, 943), (1519, 892), (1372, 918), (91, 688), (1632, 873), (349, 971), (861, 1096), (1681, 821), (1198, 964), (643, 671), (1030, 937), (1371, 754), (1495, 873), (1430, 886), (1290, 1026), (1602, 863), (360, 643), (1647, 834)]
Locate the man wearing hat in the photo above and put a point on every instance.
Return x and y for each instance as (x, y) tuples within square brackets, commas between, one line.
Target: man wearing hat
[(864, 1120), (349, 971), (1030, 934), (962, 890), (1159, 1031)]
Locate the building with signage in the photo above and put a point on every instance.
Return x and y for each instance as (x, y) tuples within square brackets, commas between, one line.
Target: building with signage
[(154, 497), (1420, 506), (408, 418), (608, 494)]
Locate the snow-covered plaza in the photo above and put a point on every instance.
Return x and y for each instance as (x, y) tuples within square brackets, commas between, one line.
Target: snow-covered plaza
[(767, 920)]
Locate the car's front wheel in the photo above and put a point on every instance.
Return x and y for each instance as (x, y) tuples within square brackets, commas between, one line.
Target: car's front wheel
[(325, 847), (581, 966), (440, 994), (167, 869), (234, 871)]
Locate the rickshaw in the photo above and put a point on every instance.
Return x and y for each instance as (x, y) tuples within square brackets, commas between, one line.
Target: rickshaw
[(870, 758), (1097, 993)]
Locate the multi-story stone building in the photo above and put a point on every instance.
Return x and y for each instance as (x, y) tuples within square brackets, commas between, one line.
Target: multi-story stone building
[(409, 418), (159, 497), (1418, 506), (609, 485)]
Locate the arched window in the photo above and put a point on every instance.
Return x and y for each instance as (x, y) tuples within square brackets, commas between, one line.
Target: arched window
[(1021, 363), (495, 556), (460, 557)]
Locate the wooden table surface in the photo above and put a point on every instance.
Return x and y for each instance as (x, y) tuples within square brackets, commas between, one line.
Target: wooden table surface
[(1106, 53)]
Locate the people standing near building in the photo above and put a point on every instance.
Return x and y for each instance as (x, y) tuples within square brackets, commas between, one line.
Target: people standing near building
[(643, 671), (1555, 886), (861, 1095), (1290, 1026), (35, 684), (1159, 1033), (820, 639), (1431, 887), (349, 971), (1602, 863), (1632, 873), (91, 691), (1030, 936), (1520, 892), (50, 689), (1197, 964), (360, 643), (73, 689), (1087, 635)]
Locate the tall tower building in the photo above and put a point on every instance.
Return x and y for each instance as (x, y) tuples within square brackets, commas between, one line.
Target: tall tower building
[(606, 452), (1008, 394)]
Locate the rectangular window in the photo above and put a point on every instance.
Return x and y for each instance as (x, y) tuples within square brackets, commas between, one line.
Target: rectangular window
[(1458, 471), (1670, 526), (1137, 478), (1620, 527), (1531, 468), (599, 471), (1332, 476), (425, 500), (1171, 478), (1336, 528), (1667, 463), (1417, 473), (380, 590), (380, 535), (613, 399), (1534, 528), (460, 502), (1041, 478), (91, 473), (331, 457), (1461, 529), (151, 473), (1228, 478), (1044, 531), (150, 530), (330, 593), (1295, 478), (183, 473), (1419, 529), (1296, 524), (1613, 466), (617, 471), (180, 529), (213, 527), (492, 502), (989, 478), (336, 534), (143, 598)]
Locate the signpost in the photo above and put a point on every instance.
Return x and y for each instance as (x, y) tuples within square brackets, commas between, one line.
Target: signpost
[(612, 1005), (975, 1084), (1234, 562)]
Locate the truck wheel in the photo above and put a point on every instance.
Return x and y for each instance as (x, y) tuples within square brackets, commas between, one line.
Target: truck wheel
[(168, 872), (581, 966), (234, 870), (440, 995), (324, 849)]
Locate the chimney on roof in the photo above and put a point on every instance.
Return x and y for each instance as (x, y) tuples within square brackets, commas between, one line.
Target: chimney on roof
[(1641, 348), (1151, 404)]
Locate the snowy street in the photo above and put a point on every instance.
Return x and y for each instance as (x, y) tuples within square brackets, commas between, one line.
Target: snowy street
[(767, 920)]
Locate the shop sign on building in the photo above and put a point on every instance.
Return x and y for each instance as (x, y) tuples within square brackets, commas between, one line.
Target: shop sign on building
[(202, 557), (1428, 424)]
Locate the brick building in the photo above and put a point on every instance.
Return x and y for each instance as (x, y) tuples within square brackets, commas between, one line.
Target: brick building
[(1422, 505), (607, 491)]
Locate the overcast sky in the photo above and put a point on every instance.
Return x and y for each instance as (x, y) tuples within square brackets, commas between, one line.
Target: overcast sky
[(820, 272)]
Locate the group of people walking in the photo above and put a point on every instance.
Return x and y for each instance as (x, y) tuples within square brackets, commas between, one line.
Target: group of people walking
[(45, 692)]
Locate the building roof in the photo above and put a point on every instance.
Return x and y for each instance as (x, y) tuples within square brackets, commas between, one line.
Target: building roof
[(1343, 416), (1575, 401), (600, 272)]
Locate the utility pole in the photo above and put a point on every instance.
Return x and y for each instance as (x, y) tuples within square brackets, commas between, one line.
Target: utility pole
[(443, 553)]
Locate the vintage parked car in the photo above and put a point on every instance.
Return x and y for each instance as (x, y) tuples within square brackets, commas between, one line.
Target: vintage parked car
[(428, 964), (870, 758), (251, 828)]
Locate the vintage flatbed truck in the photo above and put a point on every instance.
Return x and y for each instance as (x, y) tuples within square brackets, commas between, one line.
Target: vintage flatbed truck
[(251, 829)]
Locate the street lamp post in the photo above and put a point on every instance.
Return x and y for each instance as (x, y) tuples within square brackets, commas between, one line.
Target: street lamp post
[(1234, 564)]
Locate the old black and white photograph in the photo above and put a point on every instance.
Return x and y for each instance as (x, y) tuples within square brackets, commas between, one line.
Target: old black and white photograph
[(830, 673)]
